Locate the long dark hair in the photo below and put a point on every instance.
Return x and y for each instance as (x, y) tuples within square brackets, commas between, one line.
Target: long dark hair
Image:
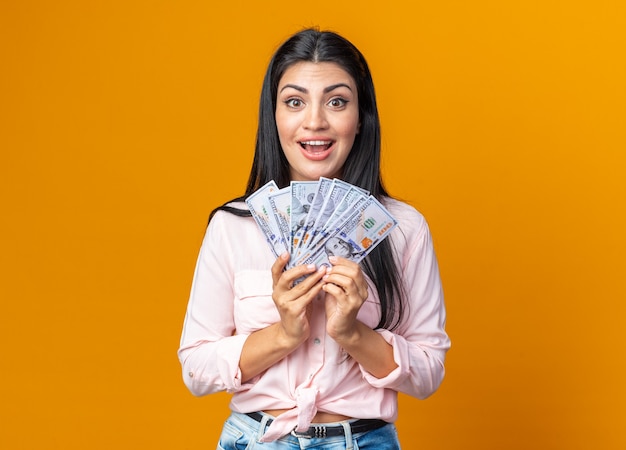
[(362, 167)]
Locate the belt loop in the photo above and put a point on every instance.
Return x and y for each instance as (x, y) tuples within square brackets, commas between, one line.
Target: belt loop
[(262, 425), (347, 429)]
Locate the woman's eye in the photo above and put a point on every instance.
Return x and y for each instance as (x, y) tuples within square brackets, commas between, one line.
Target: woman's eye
[(338, 102), (294, 103)]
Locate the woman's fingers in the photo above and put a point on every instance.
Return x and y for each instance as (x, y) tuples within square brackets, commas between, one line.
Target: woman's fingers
[(296, 287), (278, 267), (294, 290), (294, 277), (348, 276)]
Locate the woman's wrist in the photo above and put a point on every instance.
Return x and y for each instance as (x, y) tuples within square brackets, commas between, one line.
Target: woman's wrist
[(349, 338), (285, 341)]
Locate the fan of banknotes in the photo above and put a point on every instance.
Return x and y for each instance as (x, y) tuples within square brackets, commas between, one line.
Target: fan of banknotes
[(313, 220)]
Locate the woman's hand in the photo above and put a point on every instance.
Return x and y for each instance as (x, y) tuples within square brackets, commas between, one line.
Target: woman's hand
[(267, 346), (346, 291), (291, 300)]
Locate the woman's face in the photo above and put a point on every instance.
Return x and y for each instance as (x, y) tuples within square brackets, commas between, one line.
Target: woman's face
[(338, 247), (317, 116)]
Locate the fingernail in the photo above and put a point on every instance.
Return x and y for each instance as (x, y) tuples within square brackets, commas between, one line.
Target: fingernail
[(311, 267), (332, 259)]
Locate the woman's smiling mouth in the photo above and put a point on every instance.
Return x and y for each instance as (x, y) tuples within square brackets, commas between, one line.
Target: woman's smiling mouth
[(315, 146)]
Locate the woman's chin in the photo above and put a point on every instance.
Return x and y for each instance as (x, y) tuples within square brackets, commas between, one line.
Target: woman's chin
[(314, 175)]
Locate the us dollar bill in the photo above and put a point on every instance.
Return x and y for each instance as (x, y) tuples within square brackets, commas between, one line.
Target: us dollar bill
[(358, 234), (302, 195), (280, 204), (260, 208), (332, 198), (336, 210), (321, 194)]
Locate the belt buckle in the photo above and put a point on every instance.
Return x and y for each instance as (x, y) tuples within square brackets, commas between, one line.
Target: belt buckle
[(312, 432)]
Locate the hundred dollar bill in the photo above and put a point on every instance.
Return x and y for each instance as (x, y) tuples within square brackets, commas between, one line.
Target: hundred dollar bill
[(333, 196), (280, 204), (259, 206), (337, 193), (332, 217), (323, 187), (356, 237), (302, 194)]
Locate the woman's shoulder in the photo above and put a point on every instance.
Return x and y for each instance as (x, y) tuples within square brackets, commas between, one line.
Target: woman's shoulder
[(231, 217), (403, 212), (230, 211), (412, 226)]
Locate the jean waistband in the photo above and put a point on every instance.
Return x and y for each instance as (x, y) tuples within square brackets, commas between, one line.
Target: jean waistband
[(321, 430)]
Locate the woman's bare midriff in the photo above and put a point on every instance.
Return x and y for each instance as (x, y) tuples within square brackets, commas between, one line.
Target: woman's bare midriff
[(320, 417)]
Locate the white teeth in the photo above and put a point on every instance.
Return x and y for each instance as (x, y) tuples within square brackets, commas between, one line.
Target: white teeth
[(315, 142)]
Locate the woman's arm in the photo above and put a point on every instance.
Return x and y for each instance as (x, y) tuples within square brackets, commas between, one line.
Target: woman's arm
[(411, 358), (214, 355), (265, 347), (346, 291)]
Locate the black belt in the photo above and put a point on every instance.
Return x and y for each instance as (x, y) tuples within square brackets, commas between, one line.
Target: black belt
[(320, 431)]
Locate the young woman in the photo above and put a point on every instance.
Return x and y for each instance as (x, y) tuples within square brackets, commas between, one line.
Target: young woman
[(319, 362)]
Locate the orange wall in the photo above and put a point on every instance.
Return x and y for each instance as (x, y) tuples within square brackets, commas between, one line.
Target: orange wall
[(123, 123)]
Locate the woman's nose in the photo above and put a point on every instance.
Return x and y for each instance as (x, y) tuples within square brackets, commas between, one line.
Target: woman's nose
[(315, 118)]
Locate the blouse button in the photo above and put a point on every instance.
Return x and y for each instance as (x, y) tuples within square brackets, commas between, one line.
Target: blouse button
[(316, 341)]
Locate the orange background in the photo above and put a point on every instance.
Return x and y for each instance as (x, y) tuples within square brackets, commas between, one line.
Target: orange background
[(123, 123)]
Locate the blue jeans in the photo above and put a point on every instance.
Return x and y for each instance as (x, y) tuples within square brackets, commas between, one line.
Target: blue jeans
[(241, 432)]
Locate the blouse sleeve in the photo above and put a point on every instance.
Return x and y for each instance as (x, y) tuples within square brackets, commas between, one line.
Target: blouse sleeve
[(420, 342), (209, 350)]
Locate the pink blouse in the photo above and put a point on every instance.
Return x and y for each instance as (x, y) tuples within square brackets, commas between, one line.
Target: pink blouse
[(231, 297)]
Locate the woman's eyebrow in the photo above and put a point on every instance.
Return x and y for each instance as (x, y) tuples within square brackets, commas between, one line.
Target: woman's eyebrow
[(294, 86), (336, 86), (306, 91)]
